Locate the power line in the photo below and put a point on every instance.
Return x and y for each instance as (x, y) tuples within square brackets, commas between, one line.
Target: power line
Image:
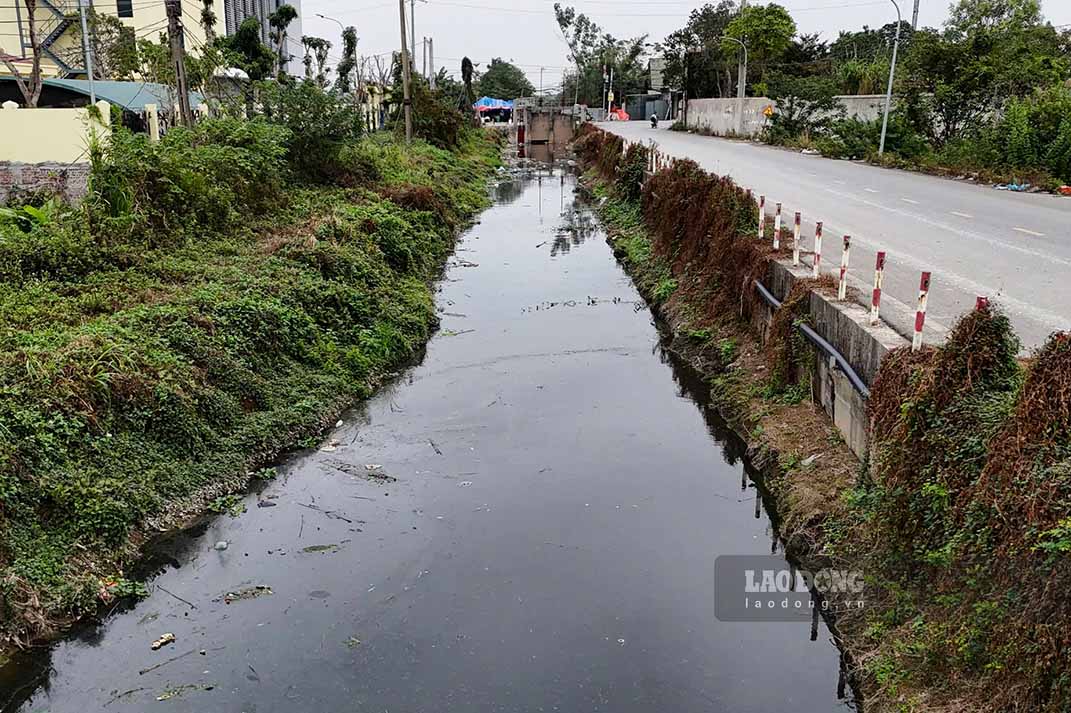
[(528, 11)]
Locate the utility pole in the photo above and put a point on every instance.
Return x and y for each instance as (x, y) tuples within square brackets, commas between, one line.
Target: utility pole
[(87, 50), (741, 85), (540, 81), (178, 59), (741, 76), (604, 110), (424, 56), (412, 26), (684, 89), (406, 78), (431, 62), (915, 17), (610, 96), (892, 74)]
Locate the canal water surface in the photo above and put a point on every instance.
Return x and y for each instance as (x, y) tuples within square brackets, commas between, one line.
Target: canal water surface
[(525, 521)]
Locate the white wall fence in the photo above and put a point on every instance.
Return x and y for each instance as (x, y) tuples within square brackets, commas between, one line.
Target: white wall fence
[(51, 135), (720, 116)]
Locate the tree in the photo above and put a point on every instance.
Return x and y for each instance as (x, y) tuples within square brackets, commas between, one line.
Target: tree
[(113, 44), (279, 21), (990, 52), (806, 56), (208, 21), (245, 51), (469, 97), (767, 30), (969, 17), (594, 51), (696, 47), (504, 80), (29, 84), (316, 48), (451, 92), (348, 64)]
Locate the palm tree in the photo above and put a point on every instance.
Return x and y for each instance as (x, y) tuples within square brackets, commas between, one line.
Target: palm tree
[(279, 21), (469, 98)]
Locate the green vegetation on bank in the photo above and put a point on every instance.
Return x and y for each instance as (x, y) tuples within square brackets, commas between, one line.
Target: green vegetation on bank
[(961, 519), (215, 299)]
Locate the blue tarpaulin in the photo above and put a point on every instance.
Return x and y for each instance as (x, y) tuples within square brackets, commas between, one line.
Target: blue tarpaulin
[(489, 103)]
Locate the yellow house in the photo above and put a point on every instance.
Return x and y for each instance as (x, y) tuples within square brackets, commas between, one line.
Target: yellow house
[(59, 30)]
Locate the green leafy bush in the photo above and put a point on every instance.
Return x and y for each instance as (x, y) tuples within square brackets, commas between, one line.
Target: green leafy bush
[(853, 138), (321, 125), (192, 181), (806, 106)]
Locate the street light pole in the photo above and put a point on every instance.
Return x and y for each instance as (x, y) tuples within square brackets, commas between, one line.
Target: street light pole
[(892, 74), (87, 49), (337, 22), (341, 27), (741, 85), (407, 100)]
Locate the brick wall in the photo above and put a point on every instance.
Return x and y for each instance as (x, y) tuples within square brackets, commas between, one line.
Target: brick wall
[(68, 181)]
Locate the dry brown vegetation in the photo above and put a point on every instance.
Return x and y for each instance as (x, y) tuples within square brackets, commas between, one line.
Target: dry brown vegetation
[(962, 517)]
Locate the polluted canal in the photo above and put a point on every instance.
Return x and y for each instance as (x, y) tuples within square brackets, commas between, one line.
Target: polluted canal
[(527, 520)]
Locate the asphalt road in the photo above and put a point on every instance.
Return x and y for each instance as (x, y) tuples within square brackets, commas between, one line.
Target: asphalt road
[(1014, 248)]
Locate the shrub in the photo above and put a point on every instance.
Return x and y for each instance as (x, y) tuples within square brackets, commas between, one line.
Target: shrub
[(192, 181), (435, 122), (320, 124), (631, 172), (853, 138), (805, 106)]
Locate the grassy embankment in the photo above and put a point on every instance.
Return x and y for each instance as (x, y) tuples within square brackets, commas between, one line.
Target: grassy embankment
[(207, 307), (961, 520)]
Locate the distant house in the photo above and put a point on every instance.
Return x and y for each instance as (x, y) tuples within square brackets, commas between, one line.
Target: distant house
[(656, 68), (57, 24)]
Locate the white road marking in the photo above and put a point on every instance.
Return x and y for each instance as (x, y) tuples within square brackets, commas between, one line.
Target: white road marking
[(870, 190), (961, 215), (1029, 232), (1015, 247), (908, 200), (1016, 306)]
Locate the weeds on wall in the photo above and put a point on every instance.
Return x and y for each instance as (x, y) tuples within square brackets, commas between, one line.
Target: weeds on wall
[(966, 514), (961, 519)]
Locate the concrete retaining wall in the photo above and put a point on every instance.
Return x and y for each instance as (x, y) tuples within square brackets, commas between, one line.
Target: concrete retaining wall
[(846, 326), (719, 116)]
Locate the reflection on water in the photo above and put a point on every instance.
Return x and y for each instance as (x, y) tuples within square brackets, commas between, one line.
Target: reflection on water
[(577, 226)]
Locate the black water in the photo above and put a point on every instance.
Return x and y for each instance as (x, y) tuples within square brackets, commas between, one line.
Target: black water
[(548, 544)]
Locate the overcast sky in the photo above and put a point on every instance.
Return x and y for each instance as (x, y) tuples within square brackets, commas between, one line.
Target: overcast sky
[(524, 31)]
